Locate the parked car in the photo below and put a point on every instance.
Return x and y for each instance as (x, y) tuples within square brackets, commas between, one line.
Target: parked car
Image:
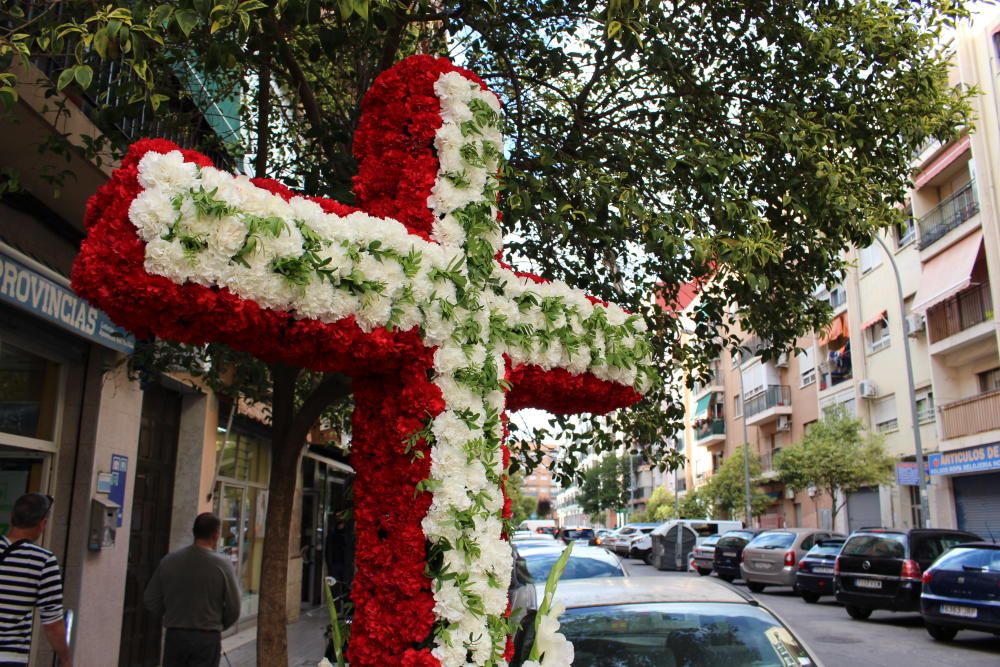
[(539, 526), (533, 564), (882, 568), (667, 621), (600, 534), (961, 591), (701, 556), (578, 534), (771, 558), (729, 550), (621, 540), (814, 577)]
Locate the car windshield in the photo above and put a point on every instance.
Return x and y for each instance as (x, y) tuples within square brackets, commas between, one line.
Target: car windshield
[(735, 539), (710, 541), (578, 533), (876, 546), (668, 634), (828, 549), (539, 565), (772, 541)]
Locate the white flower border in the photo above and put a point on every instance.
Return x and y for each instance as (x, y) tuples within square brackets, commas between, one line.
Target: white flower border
[(209, 227)]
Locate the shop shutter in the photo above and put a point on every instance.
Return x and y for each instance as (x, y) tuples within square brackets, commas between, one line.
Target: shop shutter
[(863, 509), (977, 504)]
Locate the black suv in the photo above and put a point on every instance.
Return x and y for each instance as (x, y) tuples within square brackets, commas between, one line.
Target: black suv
[(729, 552), (881, 568)]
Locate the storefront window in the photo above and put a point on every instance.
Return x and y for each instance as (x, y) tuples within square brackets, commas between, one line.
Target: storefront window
[(29, 392), (241, 504)]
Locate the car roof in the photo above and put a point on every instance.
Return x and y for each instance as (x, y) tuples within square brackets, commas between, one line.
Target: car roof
[(575, 593), (977, 545)]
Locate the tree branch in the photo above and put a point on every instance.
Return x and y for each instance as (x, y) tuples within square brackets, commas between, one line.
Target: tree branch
[(263, 117)]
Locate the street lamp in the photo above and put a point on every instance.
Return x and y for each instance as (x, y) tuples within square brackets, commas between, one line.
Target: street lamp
[(925, 514)]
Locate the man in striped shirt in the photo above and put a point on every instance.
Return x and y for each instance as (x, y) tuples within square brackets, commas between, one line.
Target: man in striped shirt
[(29, 578)]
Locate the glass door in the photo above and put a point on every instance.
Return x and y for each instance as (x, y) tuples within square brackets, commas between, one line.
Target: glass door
[(230, 511)]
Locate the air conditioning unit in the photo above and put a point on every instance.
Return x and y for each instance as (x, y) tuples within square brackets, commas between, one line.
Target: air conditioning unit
[(915, 323), (867, 389), (784, 423), (812, 491), (782, 360), (790, 493)]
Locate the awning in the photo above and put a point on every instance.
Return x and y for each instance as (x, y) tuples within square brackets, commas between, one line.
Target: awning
[(873, 321), (942, 161), (701, 409), (837, 328), (947, 274)]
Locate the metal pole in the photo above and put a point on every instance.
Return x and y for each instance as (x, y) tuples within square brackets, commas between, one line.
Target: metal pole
[(746, 444), (925, 514)]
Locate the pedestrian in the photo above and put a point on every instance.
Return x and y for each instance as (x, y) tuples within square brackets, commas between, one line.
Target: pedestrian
[(196, 592), (29, 578)]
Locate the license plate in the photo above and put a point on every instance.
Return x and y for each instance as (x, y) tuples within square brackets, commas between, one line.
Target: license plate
[(868, 583), (955, 610), (823, 570), (762, 564), (729, 554)]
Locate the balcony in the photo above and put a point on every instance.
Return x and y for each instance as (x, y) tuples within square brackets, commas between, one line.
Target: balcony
[(968, 416), (963, 311), (712, 431), (949, 214), (767, 470), (712, 383), (767, 405)]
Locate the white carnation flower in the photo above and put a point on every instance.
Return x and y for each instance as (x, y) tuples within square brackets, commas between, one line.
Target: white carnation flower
[(168, 172)]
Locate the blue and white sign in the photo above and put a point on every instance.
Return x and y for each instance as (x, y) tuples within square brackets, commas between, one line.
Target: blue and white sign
[(973, 459), (906, 473), (50, 298), (119, 477)]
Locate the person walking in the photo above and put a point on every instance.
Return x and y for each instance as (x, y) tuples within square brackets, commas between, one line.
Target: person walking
[(29, 578), (196, 592)]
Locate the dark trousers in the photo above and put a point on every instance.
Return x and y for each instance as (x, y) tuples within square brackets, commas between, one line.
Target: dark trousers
[(192, 648)]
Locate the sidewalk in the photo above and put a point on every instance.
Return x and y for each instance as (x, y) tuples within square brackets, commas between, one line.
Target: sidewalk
[(305, 642)]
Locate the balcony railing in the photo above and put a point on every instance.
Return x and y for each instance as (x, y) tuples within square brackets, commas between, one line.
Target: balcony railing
[(710, 428), (971, 415), (966, 309), (773, 396), (949, 214), (767, 460)]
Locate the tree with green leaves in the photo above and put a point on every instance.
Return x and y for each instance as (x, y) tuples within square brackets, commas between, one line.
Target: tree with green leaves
[(727, 487), (837, 456), (650, 144), (697, 504), (605, 485)]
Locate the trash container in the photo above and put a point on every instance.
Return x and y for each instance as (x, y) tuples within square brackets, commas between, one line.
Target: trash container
[(673, 543)]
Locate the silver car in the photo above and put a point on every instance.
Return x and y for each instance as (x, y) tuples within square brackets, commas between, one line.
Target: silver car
[(667, 621), (703, 555), (533, 562), (772, 558)]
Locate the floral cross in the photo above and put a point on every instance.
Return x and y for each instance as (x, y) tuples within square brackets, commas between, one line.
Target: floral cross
[(407, 296)]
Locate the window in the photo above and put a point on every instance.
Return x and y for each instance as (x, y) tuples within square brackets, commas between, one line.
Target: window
[(925, 405), (807, 366), (877, 335), (870, 258), (838, 297), (906, 231), (989, 380), (884, 414), (29, 393), (845, 399), (753, 380), (737, 406)]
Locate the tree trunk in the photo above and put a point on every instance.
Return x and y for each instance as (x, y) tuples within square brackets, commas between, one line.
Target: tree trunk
[(289, 429)]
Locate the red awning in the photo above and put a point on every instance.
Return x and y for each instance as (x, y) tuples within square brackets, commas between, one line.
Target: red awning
[(873, 321), (837, 328), (949, 273), (942, 161)]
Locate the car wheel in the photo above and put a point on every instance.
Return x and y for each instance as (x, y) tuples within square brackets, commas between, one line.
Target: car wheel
[(648, 560), (728, 578), (703, 572), (858, 613), (755, 587), (941, 633), (811, 598)]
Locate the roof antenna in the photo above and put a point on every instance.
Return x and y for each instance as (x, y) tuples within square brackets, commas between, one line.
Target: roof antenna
[(993, 538)]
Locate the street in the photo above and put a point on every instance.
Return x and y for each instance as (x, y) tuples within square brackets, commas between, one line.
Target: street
[(885, 640)]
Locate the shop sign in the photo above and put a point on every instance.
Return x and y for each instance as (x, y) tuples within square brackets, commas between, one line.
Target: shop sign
[(50, 298), (906, 473), (973, 459)]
